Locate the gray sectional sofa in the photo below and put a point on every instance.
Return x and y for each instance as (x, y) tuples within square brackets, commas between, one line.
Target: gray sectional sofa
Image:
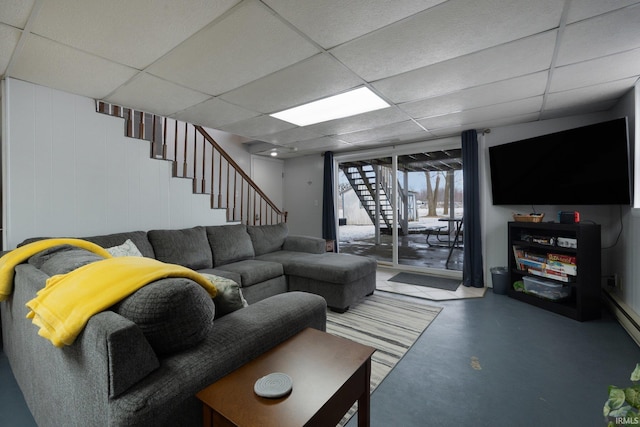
[(141, 362)]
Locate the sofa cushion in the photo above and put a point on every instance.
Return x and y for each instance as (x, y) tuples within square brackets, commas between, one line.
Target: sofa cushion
[(333, 268), (139, 238), (253, 271), (229, 297), (268, 238), (229, 243), (174, 314), (187, 247), (62, 259)]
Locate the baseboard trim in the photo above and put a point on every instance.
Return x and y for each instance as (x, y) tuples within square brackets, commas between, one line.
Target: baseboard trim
[(629, 320)]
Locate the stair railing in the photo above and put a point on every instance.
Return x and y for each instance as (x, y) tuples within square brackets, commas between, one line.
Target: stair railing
[(197, 156)]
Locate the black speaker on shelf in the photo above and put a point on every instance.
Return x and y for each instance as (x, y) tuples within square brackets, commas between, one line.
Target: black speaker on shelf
[(568, 217)]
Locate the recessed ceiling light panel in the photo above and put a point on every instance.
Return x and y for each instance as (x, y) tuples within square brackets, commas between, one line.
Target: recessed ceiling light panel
[(346, 104)]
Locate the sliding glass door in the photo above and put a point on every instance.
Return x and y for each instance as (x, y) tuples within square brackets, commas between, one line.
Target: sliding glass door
[(404, 210)]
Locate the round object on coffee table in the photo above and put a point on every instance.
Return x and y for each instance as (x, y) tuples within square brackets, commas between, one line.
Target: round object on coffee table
[(273, 385)]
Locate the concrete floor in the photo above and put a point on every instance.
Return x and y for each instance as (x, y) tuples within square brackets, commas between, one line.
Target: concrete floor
[(496, 361)]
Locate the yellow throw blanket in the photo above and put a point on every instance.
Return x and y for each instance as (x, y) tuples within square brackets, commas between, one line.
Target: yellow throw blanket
[(19, 255), (64, 306)]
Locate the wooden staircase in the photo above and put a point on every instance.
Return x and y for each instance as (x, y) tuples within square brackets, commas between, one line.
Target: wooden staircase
[(195, 155)]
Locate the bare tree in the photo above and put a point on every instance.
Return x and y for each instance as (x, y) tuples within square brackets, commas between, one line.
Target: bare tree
[(448, 182), (432, 194)]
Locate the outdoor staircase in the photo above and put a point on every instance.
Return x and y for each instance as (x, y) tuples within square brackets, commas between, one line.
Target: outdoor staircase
[(196, 156), (362, 178)]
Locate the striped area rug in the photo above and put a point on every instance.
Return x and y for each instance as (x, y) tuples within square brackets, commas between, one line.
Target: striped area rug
[(388, 324)]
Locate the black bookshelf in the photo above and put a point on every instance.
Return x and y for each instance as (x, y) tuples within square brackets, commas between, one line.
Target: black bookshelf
[(584, 301)]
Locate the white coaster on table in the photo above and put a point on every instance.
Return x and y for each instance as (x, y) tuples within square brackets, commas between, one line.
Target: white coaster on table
[(273, 385)]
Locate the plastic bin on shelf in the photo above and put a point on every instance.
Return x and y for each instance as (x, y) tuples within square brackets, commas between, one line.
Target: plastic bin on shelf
[(546, 288)]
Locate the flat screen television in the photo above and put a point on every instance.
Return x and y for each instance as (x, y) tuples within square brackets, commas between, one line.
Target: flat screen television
[(589, 165)]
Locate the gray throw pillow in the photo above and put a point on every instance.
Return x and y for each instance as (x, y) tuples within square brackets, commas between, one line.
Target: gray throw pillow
[(229, 296), (174, 314), (268, 238), (62, 259), (187, 247), (229, 243)]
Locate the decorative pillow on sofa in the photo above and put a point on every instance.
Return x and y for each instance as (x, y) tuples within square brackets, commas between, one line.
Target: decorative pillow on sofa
[(268, 238), (62, 259), (139, 238), (229, 297), (187, 247), (229, 243), (174, 314), (128, 248)]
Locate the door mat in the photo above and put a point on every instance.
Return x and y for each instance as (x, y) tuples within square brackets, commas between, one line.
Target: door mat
[(427, 281)]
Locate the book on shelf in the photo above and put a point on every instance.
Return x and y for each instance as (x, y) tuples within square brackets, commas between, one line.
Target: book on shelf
[(562, 267), (535, 257), (567, 259), (550, 274), (529, 263)]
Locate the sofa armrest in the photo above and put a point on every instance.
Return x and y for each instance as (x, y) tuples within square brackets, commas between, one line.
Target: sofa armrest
[(312, 245), (129, 355)]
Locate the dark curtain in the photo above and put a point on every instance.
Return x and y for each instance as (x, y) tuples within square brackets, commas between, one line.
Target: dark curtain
[(472, 272), (328, 208)]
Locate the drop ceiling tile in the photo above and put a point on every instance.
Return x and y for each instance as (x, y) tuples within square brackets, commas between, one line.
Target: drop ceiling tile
[(502, 62), (432, 36), (395, 139), (9, 38), (51, 64), (308, 80), (484, 114), (126, 31), (149, 93), (383, 132), (603, 35), (257, 126), (485, 124), (15, 12), (330, 23), (324, 143), (493, 93), (291, 136), (247, 44), (360, 122), (596, 71), (589, 94), (583, 109), (214, 113), (584, 9)]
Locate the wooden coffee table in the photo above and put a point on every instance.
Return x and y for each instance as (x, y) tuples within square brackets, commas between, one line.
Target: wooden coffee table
[(329, 375)]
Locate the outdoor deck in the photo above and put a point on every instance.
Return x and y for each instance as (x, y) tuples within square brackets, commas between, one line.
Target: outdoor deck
[(412, 249)]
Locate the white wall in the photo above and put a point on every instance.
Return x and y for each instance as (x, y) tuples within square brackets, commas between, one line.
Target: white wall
[(303, 194), (625, 255), (69, 171)]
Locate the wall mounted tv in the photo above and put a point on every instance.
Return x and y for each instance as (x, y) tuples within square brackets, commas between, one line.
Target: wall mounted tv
[(589, 165)]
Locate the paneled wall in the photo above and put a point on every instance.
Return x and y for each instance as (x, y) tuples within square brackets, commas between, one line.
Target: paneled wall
[(68, 171)]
